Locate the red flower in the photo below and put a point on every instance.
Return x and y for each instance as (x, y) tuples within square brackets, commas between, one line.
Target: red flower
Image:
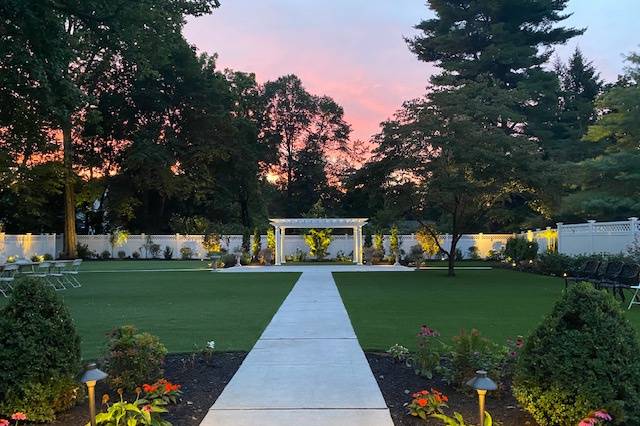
[(4, 422), (19, 416), (422, 402), (167, 387)]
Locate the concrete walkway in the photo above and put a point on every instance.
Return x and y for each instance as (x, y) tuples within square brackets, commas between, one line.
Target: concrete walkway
[(307, 368)]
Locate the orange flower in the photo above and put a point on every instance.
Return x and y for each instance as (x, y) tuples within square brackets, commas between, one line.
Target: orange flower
[(105, 398), (422, 402)]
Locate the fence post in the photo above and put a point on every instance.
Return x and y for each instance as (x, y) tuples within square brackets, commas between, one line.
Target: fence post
[(633, 228), (591, 227), (559, 242)]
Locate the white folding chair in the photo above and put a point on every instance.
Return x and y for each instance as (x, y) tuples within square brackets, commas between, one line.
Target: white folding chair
[(7, 276), (55, 275), (43, 270), (71, 273), (635, 300)]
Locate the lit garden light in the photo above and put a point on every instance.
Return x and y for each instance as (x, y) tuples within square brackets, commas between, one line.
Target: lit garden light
[(90, 377), (482, 383)]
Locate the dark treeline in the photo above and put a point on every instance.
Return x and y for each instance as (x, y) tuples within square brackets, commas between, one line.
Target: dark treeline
[(110, 119)]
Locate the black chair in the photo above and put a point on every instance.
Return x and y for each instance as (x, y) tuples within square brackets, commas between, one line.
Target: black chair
[(629, 277), (611, 274), (586, 273)]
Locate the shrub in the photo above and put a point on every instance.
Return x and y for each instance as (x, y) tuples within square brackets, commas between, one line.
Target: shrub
[(40, 353), (167, 253), (211, 243), (427, 241), (186, 253), (378, 241), (518, 249), (105, 255), (122, 254), (474, 253), (398, 352), (154, 250), (37, 258), (135, 255), (416, 255), (318, 242), (229, 260), (83, 251), (426, 403), (266, 256), (472, 352), (245, 259), (47, 257), (394, 241), (149, 247), (133, 358), (138, 412), (256, 244), (554, 264), (583, 356)]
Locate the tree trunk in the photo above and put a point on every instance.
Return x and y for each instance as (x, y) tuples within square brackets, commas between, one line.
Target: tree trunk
[(452, 256), (70, 237)]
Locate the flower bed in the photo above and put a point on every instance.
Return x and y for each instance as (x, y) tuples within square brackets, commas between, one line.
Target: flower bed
[(398, 383), (202, 380)]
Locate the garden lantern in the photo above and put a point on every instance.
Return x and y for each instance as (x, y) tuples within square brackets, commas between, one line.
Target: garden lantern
[(90, 377), (482, 383)]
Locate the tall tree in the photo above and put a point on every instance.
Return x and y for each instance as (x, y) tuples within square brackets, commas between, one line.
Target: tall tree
[(296, 119), (607, 187), (63, 49), (471, 149)]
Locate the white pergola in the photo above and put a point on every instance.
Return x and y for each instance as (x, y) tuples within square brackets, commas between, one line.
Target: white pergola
[(356, 224)]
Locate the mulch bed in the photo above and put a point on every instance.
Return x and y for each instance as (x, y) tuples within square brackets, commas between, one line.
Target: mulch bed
[(397, 382), (202, 382)]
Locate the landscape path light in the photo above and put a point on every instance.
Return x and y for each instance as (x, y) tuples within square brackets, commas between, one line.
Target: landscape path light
[(90, 378), (482, 383)]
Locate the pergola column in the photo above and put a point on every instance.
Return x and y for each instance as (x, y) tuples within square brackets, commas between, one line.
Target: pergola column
[(360, 240), (355, 244), (282, 234), (277, 248)]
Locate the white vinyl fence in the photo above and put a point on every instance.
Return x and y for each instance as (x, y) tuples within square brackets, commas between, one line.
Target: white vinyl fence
[(584, 238), (597, 237)]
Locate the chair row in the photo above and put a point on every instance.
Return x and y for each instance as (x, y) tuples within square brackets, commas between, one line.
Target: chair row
[(615, 275), (58, 274)]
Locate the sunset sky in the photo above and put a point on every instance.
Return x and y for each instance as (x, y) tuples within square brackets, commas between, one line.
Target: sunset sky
[(353, 50)]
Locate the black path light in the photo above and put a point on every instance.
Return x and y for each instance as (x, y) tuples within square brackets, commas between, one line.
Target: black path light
[(482, 383), (90, 377)]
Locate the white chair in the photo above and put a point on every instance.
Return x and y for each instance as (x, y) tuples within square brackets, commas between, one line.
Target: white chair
[(56, 276), (71, 273), (7, 276), (43, 270)]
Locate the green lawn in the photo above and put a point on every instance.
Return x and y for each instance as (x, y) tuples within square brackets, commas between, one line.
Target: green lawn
[(183, 308), (388, 307)]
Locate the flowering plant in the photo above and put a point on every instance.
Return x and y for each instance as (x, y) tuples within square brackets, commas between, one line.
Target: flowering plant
[(139, 412), (598, 417), (398, 352), (458, 420), (428, 353), (162, 390), (425, 403), (17, 416)]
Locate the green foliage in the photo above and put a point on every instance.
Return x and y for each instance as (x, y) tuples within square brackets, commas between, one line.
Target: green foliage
[(427, 241), (394, 240), (555, 264), (458, 420), (473, 253), (582, 357), (211, 243), (105, 255), (193, 225), (416, 255), (118, 238), (429, 350), (368, 242), (256, 243), (271, 239), (246, 240), (133, 358), (121, 254), (519, 249), (138, 412), (84, 252), (186, 253), (426, 403), (228, 260), (318, 242), (378, 241), (472, 352), (42, 401), (40, 353), (398, 352), (167, 253)]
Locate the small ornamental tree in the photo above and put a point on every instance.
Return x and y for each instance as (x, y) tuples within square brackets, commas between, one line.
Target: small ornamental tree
[(318, 242), (519, 249), (211, 242), (394, 240), (256, 244), (427, 241), (118, 238), (583, 357), (39, 353), (271, 240), (378, 241)]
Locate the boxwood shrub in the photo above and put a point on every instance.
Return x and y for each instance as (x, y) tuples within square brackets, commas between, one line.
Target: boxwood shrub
[(40, 353), (584, 356)]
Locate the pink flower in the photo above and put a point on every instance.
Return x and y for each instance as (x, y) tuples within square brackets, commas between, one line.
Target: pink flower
[(147, 408), (19, 416), (4, 422), (603, 415), (587, 422)]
